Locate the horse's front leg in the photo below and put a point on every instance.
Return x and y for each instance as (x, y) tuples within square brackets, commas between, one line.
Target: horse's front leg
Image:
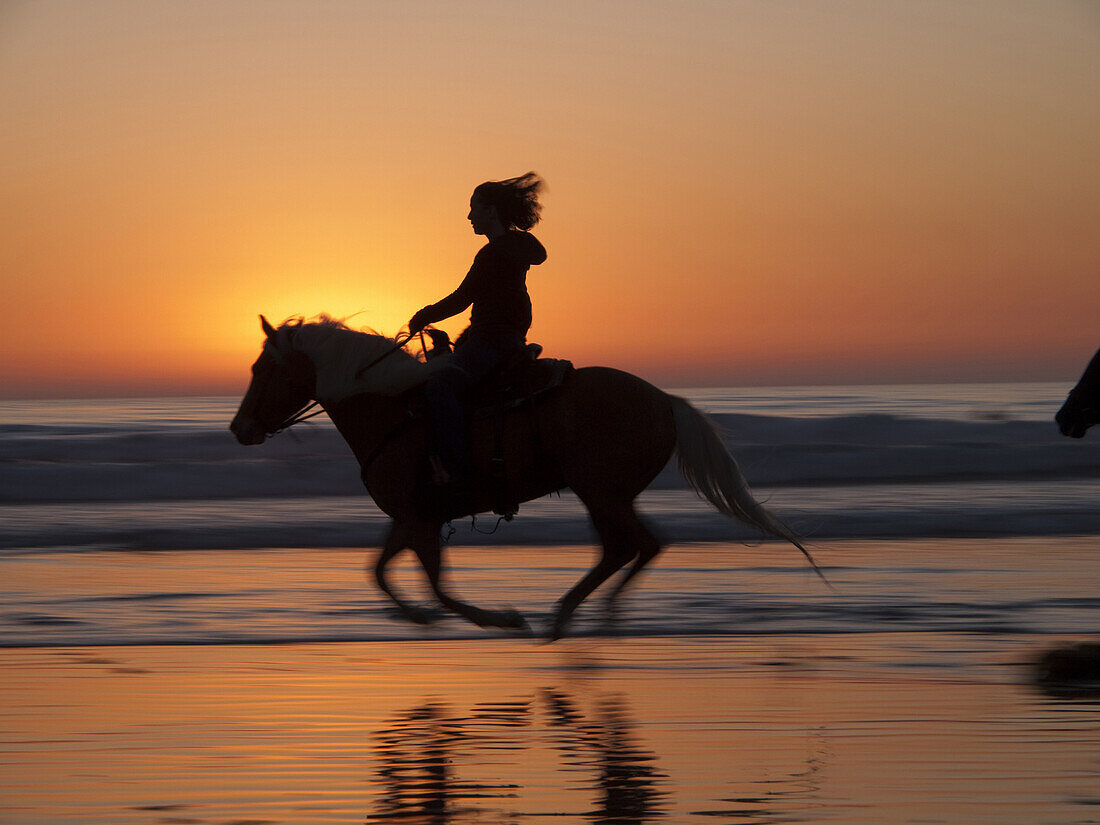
[(425, 543), (395, 543)]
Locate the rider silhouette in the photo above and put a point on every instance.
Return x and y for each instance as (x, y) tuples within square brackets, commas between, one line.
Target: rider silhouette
[(496, 286)]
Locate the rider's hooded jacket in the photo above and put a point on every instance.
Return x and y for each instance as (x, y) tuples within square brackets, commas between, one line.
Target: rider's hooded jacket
[(496, 285)]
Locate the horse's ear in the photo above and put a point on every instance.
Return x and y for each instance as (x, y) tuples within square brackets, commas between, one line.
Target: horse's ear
[(269, 330)]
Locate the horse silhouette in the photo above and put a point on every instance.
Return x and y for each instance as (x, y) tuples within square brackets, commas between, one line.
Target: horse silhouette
[(1082, 407), (603, 433)]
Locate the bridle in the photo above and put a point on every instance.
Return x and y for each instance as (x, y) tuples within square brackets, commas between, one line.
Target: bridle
[(298, 417)]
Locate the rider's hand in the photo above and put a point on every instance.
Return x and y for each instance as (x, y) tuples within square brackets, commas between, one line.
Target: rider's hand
[(418, 321)]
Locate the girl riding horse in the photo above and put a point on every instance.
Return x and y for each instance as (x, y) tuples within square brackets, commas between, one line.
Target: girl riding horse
[(496, 286)]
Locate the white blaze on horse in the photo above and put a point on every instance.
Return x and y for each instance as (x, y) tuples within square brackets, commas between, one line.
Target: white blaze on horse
[(603, 433)]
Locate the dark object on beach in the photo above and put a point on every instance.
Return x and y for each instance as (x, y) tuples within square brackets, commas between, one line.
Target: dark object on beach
[(1082, 407), (1070, 671), (603, 433)]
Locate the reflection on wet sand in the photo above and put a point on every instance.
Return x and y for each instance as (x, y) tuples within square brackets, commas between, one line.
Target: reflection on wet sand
[(420, 754), (862, 729), (791, 797), (426, 751), (628, 787)]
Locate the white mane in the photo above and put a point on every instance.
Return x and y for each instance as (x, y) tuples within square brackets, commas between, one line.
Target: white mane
[(338, 353)]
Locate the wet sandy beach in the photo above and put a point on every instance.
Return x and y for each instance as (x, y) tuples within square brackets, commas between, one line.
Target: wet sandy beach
[(854, 728), (273, 686)]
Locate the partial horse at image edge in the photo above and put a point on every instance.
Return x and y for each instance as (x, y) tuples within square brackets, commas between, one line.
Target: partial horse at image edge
[(1081, 409), (604, 434)]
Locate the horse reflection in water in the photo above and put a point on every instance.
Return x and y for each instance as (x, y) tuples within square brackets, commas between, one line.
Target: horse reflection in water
[(628, 785), (418, 754), (603, 433), (425, 752), (1082, 407)]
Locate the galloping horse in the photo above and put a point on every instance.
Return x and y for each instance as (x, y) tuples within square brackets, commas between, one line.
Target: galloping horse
[(603, 433), (1082, 407)]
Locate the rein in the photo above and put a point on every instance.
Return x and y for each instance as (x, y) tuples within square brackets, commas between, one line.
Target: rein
[(398, 345), (298, 417), (303, 413)]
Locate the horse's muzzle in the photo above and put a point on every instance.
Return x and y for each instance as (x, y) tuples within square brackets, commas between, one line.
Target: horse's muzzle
[(246, 431)]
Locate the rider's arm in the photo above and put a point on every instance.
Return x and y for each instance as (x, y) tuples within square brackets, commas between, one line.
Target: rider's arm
[(451, 305), (454, 303)]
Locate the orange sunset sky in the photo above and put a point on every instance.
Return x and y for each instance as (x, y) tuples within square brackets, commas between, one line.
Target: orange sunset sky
[(739, 192)]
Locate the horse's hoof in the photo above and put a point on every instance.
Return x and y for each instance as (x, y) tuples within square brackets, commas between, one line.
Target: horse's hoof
[(513, 620), (417, 616)]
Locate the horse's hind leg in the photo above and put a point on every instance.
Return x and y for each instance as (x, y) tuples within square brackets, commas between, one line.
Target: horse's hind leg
[(425, 543), (397, 541), (648, 548), (617, 528)]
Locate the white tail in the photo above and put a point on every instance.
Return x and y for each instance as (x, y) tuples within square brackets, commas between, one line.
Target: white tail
[(714, 475)]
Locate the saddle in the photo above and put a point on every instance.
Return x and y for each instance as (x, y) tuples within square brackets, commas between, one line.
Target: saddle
[(522, 378), (520, 381)]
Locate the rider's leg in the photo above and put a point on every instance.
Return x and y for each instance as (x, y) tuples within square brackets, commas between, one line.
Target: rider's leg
[(472, 362), (444, 392)]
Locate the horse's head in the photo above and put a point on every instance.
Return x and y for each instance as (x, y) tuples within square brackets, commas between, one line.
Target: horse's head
[(1077, 414), (283, 381)]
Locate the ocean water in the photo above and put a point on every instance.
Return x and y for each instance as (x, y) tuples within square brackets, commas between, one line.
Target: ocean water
[(89, 488), (912, 460)]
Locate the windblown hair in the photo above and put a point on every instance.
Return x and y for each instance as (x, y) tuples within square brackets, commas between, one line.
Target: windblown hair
[(338, 354), (516, 199)]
